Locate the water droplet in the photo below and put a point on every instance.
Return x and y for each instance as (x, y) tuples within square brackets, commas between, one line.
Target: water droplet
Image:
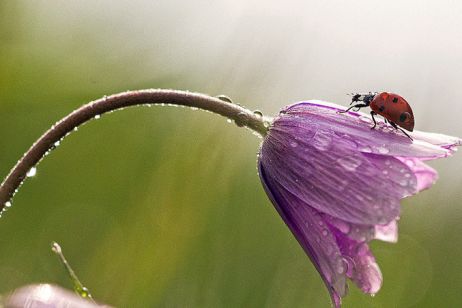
[(349, 163), (76, 129), (365, 149), (322, 141), (385, 172), (293, 144), (194, 108), (229, 121), (324, 232), (241, 119), (383, 150), (97, 116), (224, 98), (344, 227), (403, 182), (387, 162), (7, 204), (407, 175), (32, 172), (84, 292), (329, 250), (387, 129), (257, 135), (342, 266), (372, 294), (57, 143), (258, 113)]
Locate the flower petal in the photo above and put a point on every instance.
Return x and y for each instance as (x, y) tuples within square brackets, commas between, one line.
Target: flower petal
[(444, 141), (313, 234), (387, 233), (383, 140), (325, 170), (362, 268), (424, 174), (365, 233)]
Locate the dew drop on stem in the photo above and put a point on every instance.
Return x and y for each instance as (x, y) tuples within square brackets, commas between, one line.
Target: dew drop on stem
[(32, 172)]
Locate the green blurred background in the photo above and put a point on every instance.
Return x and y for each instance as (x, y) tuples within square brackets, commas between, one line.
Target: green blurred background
[(162, 207)]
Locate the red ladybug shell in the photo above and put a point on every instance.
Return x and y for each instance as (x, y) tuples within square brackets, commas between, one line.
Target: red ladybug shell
[(394, 108)]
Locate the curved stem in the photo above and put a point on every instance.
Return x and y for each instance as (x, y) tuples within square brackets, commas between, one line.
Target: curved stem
[(241, 116)]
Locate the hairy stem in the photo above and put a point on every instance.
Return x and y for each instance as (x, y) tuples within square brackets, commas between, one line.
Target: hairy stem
[(240, 115)]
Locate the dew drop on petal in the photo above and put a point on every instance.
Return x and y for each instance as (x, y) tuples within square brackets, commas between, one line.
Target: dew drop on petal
[(349, 163), (329, 250), (32, 172), (344, 227), (342, 266), (403, 182), (365, 149), (383, 150), (293, 144), (322, 141)]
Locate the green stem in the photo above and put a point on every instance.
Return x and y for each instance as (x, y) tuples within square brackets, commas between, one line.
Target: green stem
[(78, 286), (223, 106)]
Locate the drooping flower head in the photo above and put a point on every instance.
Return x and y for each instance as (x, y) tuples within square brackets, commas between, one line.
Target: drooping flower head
[(337, 184)]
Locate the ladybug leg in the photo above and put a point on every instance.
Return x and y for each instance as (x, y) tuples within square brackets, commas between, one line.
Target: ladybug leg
[(399, 128), (359, 106), (373, 119)]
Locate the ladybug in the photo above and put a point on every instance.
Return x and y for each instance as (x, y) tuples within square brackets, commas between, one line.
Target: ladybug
[(393, 107)]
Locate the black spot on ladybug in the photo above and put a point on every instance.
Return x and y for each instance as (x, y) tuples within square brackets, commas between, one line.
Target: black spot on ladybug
[(395, 100), (381, 108), (403, 117)]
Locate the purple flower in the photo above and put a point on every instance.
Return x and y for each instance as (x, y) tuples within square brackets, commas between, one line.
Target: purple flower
[(337, 185)]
